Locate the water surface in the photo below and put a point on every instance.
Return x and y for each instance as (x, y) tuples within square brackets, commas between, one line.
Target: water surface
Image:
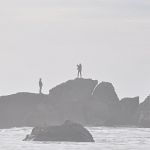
[(106, 139)]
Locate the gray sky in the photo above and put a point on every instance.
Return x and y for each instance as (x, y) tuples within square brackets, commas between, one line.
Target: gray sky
[(47, 38)]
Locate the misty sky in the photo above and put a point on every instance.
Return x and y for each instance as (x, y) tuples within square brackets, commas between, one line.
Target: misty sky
[(47, 38)]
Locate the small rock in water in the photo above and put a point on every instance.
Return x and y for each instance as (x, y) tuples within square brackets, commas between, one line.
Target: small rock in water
[(69, 131)]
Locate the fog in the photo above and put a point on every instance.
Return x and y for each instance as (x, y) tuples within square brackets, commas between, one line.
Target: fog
[(47, 38)]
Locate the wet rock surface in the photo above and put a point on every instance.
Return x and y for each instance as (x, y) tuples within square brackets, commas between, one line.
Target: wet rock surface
[(69, 131)]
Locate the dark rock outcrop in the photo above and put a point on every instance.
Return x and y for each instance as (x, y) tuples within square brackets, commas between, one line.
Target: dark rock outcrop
[(23, 109), (105, 92), (73, 90), (144, 113), (65, 102), (69, 131), (128, 114), (69, 99), (80, 100), (106, 103)]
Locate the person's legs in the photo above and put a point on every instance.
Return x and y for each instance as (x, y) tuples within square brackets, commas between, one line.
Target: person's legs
[(40, 90), (78, 74)]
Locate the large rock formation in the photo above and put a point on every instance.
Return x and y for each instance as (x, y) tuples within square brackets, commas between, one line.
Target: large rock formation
[(80, 100), (144, 113), (65, 102), (25, 109), (105, 93), (105, 104), (69, 99), (69, 131), (73, 90), (128, 114)]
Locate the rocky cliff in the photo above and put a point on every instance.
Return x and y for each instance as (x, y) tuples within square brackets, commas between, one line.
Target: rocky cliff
[(128, 111), (144, 113), (80, 100)]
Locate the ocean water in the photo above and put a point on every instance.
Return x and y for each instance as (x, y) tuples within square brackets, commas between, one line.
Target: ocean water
[(106, 139)]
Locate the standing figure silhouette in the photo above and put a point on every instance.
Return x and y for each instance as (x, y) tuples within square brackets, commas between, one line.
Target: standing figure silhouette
[(79, 68), (40, 86)]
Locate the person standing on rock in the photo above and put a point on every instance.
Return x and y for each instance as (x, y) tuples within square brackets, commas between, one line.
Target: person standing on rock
[(40, 86), (79, 68)]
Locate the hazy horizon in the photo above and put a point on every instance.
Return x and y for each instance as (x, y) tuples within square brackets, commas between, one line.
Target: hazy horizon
[(47, 38)]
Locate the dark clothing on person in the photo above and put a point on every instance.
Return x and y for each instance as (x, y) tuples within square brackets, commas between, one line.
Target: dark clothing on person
[(79, 68), (40, 86)]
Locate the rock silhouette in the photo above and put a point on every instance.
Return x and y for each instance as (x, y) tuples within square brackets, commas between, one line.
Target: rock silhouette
[(129, 111), (105, 92), (69, 131), (80, 100), (102, 105), (144, 113)]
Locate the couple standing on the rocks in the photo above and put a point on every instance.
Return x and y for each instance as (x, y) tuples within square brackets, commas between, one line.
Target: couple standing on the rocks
[(79, 68)]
